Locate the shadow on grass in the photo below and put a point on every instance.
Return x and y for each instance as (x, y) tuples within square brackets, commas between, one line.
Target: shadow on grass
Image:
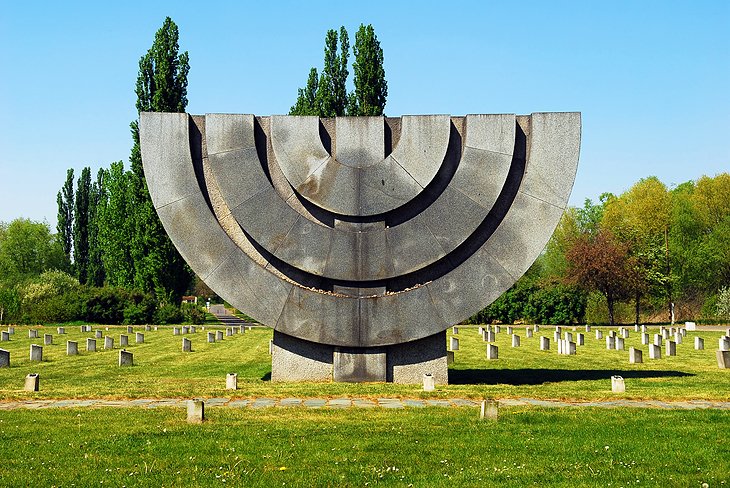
[(518, 377), (266, 377)]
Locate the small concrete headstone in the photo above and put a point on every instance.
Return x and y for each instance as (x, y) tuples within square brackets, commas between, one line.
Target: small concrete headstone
[(139, 338), (454, 330), (4, 358), (588, 328), (126, 358), (82, 329), (243, 329), (147, 328), (727, 332), (130, 329), (644, 339), (271, 347), (90, 344), (724, 343), (690, 326), (480, 330), (36, 352), (47, 339), (655, 352), (176, 331), (619, 343), (568, 336), (231, 381), (156, 328), (98, 334), (580, 339), (559, 329), (61, 330), (229, 332), (429, 382), (454, 344), (678, 337), (561, 346), (556, 335), (643, 329), (33, 334), (193, 330), (665, 334), (635, 355), (211, 336), (218, 335), (617, 384), (489, 336), (625, 333), (196, 411), (723, 359), (528, 333), (450, 359), (671, 348), (610, 342), (611, 333), (32, 382), (4, 336), (72, 348), (658, 340), (570, 348), (489, 410), (544, 343), (185, 329), (599, 334), (636, 327), (536, 328), (683, 332), (123, 340), (187, 345), (510, 330), (492, 351), (515, 340), (108, 342), (699, 343)]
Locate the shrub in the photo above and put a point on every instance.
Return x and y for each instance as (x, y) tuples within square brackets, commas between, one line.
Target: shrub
[(192, 313), (723, 302), (168, 314), (106, 305)]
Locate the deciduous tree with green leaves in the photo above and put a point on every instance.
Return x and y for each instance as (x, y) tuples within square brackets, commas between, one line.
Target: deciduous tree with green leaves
[(65, 219), (371, 89), (81, 225), (161, 87)]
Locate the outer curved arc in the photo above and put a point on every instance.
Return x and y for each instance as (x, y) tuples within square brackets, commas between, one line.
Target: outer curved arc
[(167, 155), (307, 124), (520, 230), (433, 161)]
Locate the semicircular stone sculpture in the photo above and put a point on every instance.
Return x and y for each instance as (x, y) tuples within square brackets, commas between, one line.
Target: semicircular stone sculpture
[(360, 240)]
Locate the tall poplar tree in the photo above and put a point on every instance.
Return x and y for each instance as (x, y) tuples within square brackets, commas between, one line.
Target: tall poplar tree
[(161, 87), (371, 89), (114, 217), (95, 268), (81, 225), (64, 226)]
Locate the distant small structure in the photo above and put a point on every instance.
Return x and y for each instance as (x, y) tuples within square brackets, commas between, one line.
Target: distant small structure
[(190, 299)]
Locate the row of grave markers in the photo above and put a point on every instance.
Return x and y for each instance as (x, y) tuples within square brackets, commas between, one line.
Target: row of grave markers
[(567, 346)]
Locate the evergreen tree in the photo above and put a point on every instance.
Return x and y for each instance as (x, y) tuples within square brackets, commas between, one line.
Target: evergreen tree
[(371, 89), (81, 225), (64, 227), (95, 273), (161, 87)]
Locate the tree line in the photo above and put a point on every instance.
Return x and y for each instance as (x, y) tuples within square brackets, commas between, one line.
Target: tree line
[(651, 254)]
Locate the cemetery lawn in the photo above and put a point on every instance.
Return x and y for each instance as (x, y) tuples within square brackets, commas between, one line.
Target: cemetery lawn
[(162, 370), (429, 446)]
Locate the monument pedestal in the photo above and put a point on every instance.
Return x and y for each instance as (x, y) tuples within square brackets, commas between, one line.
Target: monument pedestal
[(295, 359)]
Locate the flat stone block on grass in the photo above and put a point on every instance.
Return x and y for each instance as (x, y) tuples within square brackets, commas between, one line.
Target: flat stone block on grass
[(126, 358), (658, 340), (219, 335), (33, 334), (454, 330), (98, 334), (47, 339), (108, 342), (211, 336), (185, 329), (671, 348), (429, 384), (724, 343), (130, 329), (655, 352), (123, 340), (492, 351), (139, 338), (229, 332), (72, 348), (196, 411), (36, 352), (489, 410), (610, 343), (599, 334), (617, 384), (187, 345), (489, 336), (231, 381), (569, 348), (635, 355), (176, 331), (61, 330), (723, 359), (91, 344), (454, 344), (544, 343), (644, 339), (515, 340), (4, 336), (699, 343), (580, 339), (619, 343), (4, 358), (528, 333), (32, 382)]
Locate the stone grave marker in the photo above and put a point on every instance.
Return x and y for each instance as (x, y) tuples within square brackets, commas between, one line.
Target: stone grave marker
[(126, 358), (61, 330), (610, 342), (176, 331), (699, 343), (123, 340), (617, 384), (72, 348), (90, 344), (47, 339), (4, 358), (655, 352), (139, 338), (196, 411), (724, 343), (492, 351), (515, 340), (130, 329), (580, 339), (454, 330), (544, 343), (187, 346), (658, 340), (454, 344), (36, 352), (644, 339), (4, 336), (671, 348), (635, 355), (570, 348), (98, 334), (32, 382), (231, 381), (489, 410), (32, 333), (211, 336), (528, 333), (218, 335), (108, 342), (723, 359), (619, 343), (429, 382)]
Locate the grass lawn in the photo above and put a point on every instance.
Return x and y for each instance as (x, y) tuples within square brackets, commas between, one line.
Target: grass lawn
[(365, 447), (163, 370)]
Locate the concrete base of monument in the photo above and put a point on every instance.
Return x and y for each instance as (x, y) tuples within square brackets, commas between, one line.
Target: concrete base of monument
[(295, 359)]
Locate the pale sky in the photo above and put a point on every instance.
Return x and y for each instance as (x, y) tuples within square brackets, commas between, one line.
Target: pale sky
[(651, 78)]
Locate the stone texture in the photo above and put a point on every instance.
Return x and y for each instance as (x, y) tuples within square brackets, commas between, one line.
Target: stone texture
[(32, 382), (123, 340), (187, 345), (195, 411), (723, 359), (294, 359), (231, 381), (635, 355), (699, 343), (492, 351), (4, 358), (617, 384), (126, 358), (72, 348), (358, 365), (36, 352), (47, 339), (544, 343), (90, 344)]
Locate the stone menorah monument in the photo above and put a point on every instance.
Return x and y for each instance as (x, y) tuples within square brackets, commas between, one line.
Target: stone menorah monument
[(360, 240)]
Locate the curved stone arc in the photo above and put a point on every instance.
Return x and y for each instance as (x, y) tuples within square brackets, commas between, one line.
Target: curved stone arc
[(358, 254), (191, 225), (424, 310), (359, 185)]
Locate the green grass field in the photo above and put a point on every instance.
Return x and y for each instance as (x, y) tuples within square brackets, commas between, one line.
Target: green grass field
[(353, 447), (162, 370)]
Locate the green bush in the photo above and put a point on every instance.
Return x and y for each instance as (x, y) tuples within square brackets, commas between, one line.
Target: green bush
[(556, 304), (168, 314), (106, 305), (723, 302), (192, 313)]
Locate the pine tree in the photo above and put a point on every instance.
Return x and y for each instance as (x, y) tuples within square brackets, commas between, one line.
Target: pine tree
[(161, 87), (81, 225), (371, 89), (64, 226)]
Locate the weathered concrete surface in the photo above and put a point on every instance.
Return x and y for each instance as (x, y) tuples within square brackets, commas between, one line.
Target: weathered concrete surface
[(276, 215)]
